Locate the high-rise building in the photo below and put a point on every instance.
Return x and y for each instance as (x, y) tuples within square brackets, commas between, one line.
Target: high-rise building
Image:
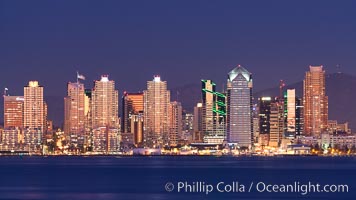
[(264, 119), (208, 101), (293, 109), (132, 104), (315, 102), (136, 124), (74, 109), (276, 123), (132, 115), (34, 107), (175, 122), (214, 112), (34, 116), (156, 104), (239, 107), (13, 111), (105, 103)]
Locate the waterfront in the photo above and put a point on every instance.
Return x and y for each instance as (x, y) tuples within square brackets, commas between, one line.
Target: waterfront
[(76, 177)]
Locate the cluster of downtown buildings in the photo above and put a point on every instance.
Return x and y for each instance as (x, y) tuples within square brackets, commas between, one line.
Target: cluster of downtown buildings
[(149, 119)]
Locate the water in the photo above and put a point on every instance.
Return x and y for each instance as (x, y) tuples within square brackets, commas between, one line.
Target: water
[(89, 178)]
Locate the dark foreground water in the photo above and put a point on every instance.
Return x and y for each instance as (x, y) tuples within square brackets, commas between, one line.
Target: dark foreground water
[(90, 178)]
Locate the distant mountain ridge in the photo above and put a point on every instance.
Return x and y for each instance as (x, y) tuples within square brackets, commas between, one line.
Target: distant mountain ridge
[(340, 88)]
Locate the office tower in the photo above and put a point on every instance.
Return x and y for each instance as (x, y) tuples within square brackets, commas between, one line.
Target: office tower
[(175, 122), (290, 109), (13, 111), (74, 109), (275, 132), (220, 113), (105, 103), (156, 103), (197, 123), (239, 107), (293, 122), (315, 102), (208, 101), (214, 113), (264, 119), (132, 115), (214, 109), (136, 124)]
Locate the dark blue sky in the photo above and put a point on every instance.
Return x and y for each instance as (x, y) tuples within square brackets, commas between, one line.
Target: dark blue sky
[(184, 41)]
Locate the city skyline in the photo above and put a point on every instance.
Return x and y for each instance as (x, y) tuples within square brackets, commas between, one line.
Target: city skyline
[(88, 84), (155, 119)]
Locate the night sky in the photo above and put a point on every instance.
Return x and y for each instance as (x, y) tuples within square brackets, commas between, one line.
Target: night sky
[(183, 41)]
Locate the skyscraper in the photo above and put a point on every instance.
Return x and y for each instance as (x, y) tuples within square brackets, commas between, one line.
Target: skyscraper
[(132, 115), (156, 104), (214, 112), (239, 107), (276, 123), (132, 103), (105, 103), (175, 122), (315, 101), (13, 111), (74, 109), (293, 122), (264, 119), (34, 107), (209, 99), (34, 115)]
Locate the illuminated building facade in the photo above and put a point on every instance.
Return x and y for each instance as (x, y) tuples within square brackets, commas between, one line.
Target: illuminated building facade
[(276, 123), (34, 116), (315, 102), (197, 123), (214, 111), (74, 109), (105, 103), (105, 140), (264, 119), (156, 105), (132, 115), (13, 111), (175, 122), (240, 107), (293, 109)]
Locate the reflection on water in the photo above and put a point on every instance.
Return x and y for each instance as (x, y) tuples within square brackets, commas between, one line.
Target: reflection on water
[(144, 177)]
